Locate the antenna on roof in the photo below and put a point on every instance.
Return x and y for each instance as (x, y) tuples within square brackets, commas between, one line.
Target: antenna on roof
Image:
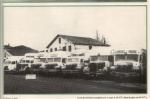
[(97, 36), (103, 40)]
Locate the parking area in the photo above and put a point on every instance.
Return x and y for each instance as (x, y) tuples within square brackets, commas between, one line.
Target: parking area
[(17, 84)]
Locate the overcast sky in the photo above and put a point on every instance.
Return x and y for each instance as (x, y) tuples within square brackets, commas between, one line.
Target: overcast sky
[(123, 26)]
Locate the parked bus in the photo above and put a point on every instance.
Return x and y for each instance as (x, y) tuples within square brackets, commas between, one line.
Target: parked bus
[(99, 63), (10, 64), (24, 65), (53, 62), (36, 65), (127, 63), (29, 63), (75, 64)]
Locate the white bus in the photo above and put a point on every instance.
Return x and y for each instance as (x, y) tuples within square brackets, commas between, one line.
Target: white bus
[(127, 63), (29, 63), (75, 64), (10, 64), (24, 65), (53, 62), (100, 61)]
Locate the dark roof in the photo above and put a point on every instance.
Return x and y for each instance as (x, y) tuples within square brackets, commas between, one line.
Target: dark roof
[(19, 50), (7, 46), (79, 41)]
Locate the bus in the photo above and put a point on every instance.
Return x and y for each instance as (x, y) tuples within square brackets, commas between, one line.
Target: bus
[(100, 62), (75, 64), (29, 63), (127, 63), (24, 65), (10, 64), (53, 62)]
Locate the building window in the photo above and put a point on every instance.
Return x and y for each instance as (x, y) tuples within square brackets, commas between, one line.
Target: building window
[(69, 48), (59, 40), (5, 55), (51, 50), (55, 49), (46, 50), (64, 48), (90, 47), (64, 60)]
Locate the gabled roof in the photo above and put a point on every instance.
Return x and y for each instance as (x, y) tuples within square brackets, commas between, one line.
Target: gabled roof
[(79, 41), (19, 50)]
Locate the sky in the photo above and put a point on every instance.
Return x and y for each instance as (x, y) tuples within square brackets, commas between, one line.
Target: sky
[(35, 27)]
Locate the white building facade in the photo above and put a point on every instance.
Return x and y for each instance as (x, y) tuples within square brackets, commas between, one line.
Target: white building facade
[(72, 43)]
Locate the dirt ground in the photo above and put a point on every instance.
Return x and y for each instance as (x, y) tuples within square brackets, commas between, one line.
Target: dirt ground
[(17, 84)]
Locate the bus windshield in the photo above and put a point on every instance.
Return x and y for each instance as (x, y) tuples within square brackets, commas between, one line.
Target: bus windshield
[(94, 58), (103, 58), (22, 61), (13, 62), (73, 60), (120, 57), (99, 58), (27, 61), (132, 57), (7, 62), (42, 59), (57, 59), (50, 59)]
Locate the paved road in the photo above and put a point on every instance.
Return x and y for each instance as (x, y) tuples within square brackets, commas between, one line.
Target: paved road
[(16, 84)]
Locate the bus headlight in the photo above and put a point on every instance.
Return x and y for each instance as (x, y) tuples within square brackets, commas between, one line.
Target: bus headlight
[(78, 67), (42, 66), (63, 67), (136, 67), (85, 69), (136, 64), (112, 68), (100, 70), (56, 67)]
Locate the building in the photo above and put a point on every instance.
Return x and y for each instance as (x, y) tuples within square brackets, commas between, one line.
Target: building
[(72, 43), (17, 51)]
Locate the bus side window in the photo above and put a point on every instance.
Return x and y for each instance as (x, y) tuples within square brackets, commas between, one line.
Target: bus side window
[(87, 61), (63, 60), (81, 60), (13, 62), (27, 61), (32, 61), (110, 58), (23, 61)]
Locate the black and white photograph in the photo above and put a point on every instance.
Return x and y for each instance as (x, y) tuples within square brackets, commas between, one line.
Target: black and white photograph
[(64, 1), (75, 50)]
